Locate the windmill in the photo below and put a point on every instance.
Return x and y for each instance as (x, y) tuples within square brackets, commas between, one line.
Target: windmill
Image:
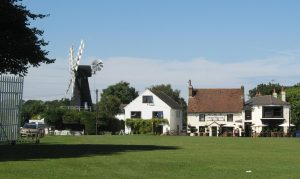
[(79, 84)]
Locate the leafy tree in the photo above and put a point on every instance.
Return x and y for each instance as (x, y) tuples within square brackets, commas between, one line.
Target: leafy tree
[(20, 45), (54, 117), (88, 120), (265, 89), (175, 95), (111, 99), (110, 105), (121, 90), (293, 97), (30, 109)]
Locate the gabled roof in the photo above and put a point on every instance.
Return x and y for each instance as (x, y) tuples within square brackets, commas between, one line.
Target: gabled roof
[(216, 100), (265, 100), (167, 99)]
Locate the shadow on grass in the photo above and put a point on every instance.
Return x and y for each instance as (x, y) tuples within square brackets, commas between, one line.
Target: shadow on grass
[(56, 151)]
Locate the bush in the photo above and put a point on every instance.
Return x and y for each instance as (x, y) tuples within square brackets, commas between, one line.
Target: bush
[(145, 126)]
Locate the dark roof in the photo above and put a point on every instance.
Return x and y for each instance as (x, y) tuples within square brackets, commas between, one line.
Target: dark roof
[(167, 99), (265, 100), (216, 100)]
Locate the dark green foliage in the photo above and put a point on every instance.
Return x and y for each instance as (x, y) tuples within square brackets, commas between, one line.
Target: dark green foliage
[(293, 97), (54, 117), (110, 105), (30, 109), (265, 89), (121, 90), (145, 126), (88, 120), (71, 117), (20, 45)]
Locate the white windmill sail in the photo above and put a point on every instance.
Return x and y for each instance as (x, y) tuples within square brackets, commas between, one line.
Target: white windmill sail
[(74, 66)]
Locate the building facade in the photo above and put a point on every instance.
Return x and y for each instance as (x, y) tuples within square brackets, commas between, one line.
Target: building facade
[(155, 104), (215, 112), (267, 114)]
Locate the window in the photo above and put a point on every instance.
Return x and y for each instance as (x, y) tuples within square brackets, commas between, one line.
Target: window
[(229, 117), (201, 129), (136, 114), (248, 115), (147, 99), (272, 112), (202, 117), (157, 114)]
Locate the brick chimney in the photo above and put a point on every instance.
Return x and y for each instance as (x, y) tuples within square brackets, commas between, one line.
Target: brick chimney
[(190, 89), (283, 95), (243, 93), (274, 93)]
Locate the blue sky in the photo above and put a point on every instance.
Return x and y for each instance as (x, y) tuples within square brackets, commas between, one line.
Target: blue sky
[(222, 44)]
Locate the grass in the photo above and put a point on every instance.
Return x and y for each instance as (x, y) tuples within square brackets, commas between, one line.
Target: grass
[(152, 157)]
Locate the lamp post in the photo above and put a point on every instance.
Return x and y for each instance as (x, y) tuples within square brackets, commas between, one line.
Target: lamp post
[(97, 111)]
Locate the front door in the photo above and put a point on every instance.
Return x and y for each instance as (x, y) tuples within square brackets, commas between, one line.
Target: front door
[(248, 129), (214, 131)]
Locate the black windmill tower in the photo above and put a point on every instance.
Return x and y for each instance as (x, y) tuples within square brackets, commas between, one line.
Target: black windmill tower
[(79, 83)]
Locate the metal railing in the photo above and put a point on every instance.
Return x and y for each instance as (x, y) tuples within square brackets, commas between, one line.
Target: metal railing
[(11, 91)]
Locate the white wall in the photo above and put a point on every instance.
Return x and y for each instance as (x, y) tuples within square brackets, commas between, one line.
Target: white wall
[(257, 116), (157, 105), (212, 118)]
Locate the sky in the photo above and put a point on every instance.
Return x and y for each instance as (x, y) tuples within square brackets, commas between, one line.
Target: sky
[(213, 43)]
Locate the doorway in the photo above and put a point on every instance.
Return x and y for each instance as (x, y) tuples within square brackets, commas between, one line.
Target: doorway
[(214, 131), (248, 129)]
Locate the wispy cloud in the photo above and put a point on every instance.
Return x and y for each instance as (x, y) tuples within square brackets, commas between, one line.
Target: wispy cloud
[(50, 81)]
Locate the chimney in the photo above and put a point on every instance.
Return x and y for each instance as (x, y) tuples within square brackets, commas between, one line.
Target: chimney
[(190, 89), (257, 93), (274, 93), (283, 95), (243, 92)]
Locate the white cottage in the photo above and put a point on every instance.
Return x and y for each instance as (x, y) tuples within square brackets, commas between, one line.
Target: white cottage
[(155, 104), (214, 112), (267, 115)]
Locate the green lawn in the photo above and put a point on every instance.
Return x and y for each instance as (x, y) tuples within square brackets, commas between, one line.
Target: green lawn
[(152, 157)]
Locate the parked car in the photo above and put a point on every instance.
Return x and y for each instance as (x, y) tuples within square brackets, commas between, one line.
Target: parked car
[(32, 130)]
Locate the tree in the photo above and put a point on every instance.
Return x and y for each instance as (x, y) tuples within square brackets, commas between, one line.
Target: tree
[(110, 105), (265, 89), (293, 97), (20, 45), (121, 90), (32, 109), (175, 95)]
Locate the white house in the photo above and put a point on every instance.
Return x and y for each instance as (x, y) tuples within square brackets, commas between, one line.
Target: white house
[(155, 104), (215, 111), (266, 113)]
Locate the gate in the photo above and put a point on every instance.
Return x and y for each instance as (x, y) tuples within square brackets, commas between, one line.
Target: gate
[(11, 91)]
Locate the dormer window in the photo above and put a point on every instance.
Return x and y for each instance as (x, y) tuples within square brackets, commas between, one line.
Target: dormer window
[(147, 99)]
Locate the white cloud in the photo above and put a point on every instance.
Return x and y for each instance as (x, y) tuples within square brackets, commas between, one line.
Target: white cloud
[(50, 81)]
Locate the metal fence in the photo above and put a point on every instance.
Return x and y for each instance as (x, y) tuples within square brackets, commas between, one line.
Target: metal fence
[(11, 91)]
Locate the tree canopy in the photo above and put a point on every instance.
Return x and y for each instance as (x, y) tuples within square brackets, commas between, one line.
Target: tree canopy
[(121, 90), (20, 44), (265, 89)]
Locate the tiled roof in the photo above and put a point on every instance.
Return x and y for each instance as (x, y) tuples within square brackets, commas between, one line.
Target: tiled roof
[(216, 100), (167, 99), (265, 100)]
